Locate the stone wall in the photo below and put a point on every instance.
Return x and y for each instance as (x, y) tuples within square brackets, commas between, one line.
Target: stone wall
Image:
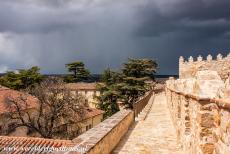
[(139, 105), (202, 120), (103, 138), (188, 69)]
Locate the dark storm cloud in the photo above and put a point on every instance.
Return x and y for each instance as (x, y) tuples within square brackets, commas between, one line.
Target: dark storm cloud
[(185, 27), (103, 33), (24, 18), (204, 17)]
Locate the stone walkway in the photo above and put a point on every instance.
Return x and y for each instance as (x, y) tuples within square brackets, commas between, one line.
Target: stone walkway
[(154, 135)]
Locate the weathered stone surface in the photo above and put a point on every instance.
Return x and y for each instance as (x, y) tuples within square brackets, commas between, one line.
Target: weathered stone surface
[(206, 119), (222, 148), (203, 94), (154, 135), (225, 126), (205, 132), (105, 136), (203, 126), (207, 148), (207, 84), (210, 107), (207, 75)]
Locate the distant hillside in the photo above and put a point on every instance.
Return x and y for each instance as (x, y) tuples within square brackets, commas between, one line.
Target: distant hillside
[(96, 77), (92, 78)]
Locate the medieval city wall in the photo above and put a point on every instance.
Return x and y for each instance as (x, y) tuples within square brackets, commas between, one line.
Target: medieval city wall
[(199, 102), (189, 68)]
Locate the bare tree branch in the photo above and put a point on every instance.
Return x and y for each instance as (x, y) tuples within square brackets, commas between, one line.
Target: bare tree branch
[(56, 106)]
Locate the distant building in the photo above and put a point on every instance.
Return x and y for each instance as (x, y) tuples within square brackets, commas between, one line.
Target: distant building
[(91, 117), (87, 90)]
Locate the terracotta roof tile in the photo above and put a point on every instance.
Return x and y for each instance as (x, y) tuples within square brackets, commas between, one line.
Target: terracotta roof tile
[(17, 143), (91, 112), (6, 92)]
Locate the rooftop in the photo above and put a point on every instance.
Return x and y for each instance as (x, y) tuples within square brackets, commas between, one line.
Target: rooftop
[(81, 86), (9, 143), (13, 94), (91, 112)]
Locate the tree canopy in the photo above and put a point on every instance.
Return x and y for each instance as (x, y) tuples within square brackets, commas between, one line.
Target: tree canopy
[(109, 92), (127, 85), (140, 68), (135, 74), (22, 79), (80, 73)]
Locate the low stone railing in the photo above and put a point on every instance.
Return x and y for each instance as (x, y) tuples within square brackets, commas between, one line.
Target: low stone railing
[(139, 105), (104, 137), (202, 124)]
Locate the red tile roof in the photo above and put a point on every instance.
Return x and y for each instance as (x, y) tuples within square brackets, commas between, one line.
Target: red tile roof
[(91, 112), (20, 145), (88, 113), (6, 92)]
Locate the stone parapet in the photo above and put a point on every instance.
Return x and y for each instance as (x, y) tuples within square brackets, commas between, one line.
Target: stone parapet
[(202, 123), (104, 137), (139, 105)]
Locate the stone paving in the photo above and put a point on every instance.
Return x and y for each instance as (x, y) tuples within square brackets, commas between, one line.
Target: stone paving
[(154, 135)]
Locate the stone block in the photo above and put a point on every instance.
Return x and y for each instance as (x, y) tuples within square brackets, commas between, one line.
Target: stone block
[(222, 148), (205, 132), (207, 75), (207, 88), (207, 148), (206, 119), (225, 127), (210, 107)]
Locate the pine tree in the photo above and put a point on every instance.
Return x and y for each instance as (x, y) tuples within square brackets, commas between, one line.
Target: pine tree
[(135, 74), (30, 77), (109, 93), (23, 79), (125, 86), (80, 73)]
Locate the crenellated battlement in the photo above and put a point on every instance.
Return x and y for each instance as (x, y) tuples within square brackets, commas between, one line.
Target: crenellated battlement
[(209, 58), (189, 67)]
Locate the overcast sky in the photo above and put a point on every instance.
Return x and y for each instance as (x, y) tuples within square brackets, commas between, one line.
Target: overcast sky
[(104, 33)]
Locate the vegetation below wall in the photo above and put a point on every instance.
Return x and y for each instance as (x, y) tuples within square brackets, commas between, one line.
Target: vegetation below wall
[(125, 86)]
